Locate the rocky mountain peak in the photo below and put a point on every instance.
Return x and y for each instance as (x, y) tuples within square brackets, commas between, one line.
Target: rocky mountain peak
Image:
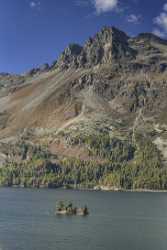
[(108, 45), (109, 34)]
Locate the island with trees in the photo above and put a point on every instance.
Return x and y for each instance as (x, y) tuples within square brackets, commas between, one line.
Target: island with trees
[(68, 209)]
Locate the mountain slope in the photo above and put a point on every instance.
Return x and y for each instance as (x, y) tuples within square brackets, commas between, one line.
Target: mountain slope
[(95, 117)]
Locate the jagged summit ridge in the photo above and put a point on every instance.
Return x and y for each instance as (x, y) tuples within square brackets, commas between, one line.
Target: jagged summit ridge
[(106, 46), (113, 46), (109, 46)]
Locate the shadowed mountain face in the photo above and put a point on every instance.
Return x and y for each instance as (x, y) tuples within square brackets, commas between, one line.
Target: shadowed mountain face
[(95, 117)]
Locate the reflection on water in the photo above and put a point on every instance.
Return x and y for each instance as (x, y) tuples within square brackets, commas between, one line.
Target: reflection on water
[(118, 221)]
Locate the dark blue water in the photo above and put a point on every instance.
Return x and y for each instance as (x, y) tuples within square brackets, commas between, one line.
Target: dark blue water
[(118, 221)]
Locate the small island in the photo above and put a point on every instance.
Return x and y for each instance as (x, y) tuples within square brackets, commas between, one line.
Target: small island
[(69, 209)]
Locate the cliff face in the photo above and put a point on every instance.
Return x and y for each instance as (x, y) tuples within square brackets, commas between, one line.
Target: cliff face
[(96, 116)]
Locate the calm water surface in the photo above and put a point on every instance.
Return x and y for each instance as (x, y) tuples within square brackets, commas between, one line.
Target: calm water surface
[(118, 221)]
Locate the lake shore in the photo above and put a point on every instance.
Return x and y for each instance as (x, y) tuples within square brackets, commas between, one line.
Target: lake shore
[(124, 190), (111, 189), (93, 189)]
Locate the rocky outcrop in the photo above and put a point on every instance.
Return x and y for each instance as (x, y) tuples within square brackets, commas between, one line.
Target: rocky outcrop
[(69, 58)]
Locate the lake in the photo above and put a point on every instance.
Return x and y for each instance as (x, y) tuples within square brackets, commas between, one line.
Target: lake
[(118, 221)]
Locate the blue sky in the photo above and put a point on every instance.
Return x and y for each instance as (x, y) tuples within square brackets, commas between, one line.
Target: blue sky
[(37, 31)]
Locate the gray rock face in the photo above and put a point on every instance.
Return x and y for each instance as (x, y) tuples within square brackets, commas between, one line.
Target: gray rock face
[(69, 57), (107, 46)]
